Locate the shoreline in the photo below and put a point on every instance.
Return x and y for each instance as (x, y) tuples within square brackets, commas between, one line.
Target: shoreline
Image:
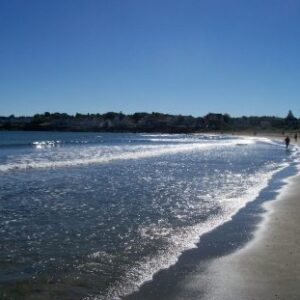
[(224, 264), (269, 266), (223, 241)]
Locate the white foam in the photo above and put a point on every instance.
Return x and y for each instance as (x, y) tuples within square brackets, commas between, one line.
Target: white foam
[(100, 154), (186, 238)]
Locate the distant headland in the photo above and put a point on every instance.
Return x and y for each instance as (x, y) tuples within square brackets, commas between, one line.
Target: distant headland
[(148, 122)]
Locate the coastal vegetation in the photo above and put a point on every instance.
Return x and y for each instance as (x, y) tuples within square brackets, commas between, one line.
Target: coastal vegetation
[(149, 122)]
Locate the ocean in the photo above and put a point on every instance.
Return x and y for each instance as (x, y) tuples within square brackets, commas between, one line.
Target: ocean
[(95, 215)]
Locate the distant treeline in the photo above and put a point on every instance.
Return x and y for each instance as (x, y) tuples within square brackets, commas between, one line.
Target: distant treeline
[(148, 122)]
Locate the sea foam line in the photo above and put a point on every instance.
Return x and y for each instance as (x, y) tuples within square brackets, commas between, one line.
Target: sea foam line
[(188, 239), (135, 153)]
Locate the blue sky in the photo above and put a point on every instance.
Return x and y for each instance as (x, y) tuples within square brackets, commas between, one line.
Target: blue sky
[(180, 57)]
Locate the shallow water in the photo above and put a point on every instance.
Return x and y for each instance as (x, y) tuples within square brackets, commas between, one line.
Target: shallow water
[(89, 215)]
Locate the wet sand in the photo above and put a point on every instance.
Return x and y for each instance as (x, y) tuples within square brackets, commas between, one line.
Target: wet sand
[(269, 266)]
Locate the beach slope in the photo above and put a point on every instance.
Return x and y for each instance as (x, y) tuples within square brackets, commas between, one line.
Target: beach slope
[(269, 266)]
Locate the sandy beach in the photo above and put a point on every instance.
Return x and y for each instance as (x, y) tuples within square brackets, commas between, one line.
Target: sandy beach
[(268, 267)]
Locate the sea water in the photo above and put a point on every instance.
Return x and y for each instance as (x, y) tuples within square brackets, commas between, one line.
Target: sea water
[(94, 215)]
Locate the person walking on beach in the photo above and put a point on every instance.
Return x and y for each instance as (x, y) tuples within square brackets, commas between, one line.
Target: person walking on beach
[(295, 137), (287, 142)]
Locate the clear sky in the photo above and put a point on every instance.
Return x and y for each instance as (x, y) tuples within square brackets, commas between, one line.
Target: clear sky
[(171, 56)]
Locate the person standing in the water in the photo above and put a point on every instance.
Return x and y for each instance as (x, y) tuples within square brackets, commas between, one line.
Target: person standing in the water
[(287, 142), (296, 137)]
